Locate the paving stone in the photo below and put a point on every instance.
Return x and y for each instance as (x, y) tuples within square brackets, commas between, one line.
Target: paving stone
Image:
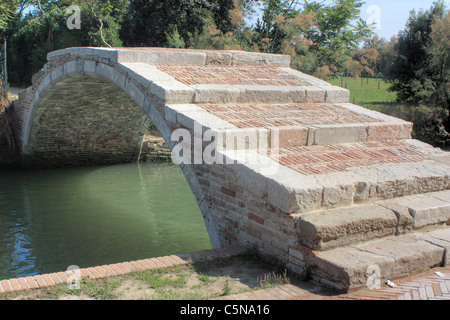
[(348, 267), (340, 227), (426, 210), (409, 252)]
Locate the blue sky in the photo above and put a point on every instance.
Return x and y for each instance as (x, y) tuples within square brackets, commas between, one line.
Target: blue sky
[(393, 15)]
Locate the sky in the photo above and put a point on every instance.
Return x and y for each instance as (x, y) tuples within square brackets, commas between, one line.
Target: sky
[(392, 15)]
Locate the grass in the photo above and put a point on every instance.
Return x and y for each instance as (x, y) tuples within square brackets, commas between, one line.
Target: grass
[(366, 90), (193, 281)]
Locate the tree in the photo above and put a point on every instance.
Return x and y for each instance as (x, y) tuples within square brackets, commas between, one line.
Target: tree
[(148, 22), (363, 62), (338, 29), (320, 37), (7, 8), (433, 82), (411, 53), (44, 29)]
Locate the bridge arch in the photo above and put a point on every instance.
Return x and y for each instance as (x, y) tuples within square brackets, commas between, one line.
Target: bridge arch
[(87, 111), (339, 168)]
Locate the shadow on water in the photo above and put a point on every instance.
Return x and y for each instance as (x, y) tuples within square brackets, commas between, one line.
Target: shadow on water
[(51, 219)]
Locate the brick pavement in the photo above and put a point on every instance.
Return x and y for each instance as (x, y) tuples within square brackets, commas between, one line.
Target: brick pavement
[(231, 75), (280, 115), (424, 286), (310, 160)]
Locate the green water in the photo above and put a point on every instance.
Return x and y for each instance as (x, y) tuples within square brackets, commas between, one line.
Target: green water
[(52, 219)]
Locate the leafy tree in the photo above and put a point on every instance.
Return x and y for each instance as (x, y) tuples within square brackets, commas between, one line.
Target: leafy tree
[(433, 82), (148, 22), (363, 62), (411, 53), (320, 37), (338, 29), (45, 29), (238, 38)]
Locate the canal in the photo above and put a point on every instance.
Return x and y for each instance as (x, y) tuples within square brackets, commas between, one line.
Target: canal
[(52, 219)]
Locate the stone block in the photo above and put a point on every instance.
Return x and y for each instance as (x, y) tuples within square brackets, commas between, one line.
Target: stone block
[(202, 119), (271, 94), (293, 192), (58, 74), (405, 220), (216, 93), (57, 53), (162, 57), (245, 139), (262, 59), (289, 137), (253, 182), (336, 94), (105, 71), (347, 268), (172, 92), (172, 110), (440, 238), (341, 227), (219, 58), (74, 67), (315, 94), (90, 67), (409, 252), (135, 93), (336, 134), (389, 131), (337, 195), (443, 195), (145, 73), (425, 209)]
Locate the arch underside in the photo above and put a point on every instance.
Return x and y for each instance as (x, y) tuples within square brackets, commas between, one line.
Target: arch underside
[(86, 120)]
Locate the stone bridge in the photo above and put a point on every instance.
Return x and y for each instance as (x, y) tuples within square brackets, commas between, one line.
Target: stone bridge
[(276, 159)]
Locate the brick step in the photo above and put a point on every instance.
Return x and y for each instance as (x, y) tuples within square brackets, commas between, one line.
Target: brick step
[(329, 229), (195, 83), (292, 125), (359, 266), (313, 181)]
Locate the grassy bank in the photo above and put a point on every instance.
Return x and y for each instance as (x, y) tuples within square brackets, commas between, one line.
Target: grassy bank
[(374, 94), (197, 280), (366, 90)]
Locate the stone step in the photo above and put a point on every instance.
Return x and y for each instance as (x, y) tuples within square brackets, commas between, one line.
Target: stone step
[(328, 229), (198, 84), (372, 263), (331, 177)]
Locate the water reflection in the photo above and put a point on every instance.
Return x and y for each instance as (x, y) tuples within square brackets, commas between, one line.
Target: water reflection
[(51, 219)]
